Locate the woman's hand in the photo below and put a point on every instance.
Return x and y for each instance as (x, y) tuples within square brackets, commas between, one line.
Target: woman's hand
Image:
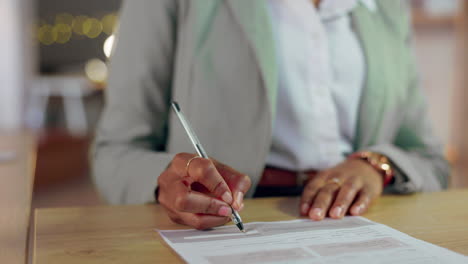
[(199, 192), (350, 186)]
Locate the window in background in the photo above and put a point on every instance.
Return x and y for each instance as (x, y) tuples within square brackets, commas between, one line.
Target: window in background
[(438, 26), (74, 39)]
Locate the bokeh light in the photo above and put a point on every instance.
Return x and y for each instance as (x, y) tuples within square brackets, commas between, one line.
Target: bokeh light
[(65, 25), (109, 46), (78, 24), (109, 23), (63, 33), (92, 28), (96, 71), (46, 34)]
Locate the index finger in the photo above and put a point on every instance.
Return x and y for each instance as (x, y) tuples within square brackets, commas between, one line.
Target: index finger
[(204, 171), (239, 183)]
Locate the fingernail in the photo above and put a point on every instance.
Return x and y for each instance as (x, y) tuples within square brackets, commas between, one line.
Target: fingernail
[(360, 209), (317, 213), (227, 197), (239, 198), (224, 211), (337, 212), (304, 208)]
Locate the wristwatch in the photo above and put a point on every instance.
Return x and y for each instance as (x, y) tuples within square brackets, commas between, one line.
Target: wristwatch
[(380, 162)]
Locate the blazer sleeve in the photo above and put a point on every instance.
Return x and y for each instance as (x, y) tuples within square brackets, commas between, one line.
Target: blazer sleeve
[(417, 154), (129, 148)]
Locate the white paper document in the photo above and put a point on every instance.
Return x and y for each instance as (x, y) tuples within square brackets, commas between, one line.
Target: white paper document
[(350, 240)]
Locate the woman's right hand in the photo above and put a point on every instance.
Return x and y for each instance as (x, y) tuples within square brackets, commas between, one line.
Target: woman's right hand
[(199, 192)]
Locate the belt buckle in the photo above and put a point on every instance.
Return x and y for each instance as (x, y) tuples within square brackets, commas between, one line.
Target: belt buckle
[(301, 178)]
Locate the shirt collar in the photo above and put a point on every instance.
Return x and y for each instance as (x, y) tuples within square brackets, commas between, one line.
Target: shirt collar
[(335, 8), (370, 4)]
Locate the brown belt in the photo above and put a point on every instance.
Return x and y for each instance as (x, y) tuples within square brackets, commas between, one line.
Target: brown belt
[(280, 177)]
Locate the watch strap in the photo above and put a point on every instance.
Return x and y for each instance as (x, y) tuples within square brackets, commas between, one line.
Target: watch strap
[(379, 162)]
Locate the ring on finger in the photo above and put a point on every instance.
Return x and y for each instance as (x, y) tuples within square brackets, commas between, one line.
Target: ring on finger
[(188, 163), (334, 180)]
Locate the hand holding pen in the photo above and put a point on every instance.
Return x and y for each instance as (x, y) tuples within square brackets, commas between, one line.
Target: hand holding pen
[(201, 192)]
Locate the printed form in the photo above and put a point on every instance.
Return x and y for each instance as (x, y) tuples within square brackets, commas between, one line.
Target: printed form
[(350, 240)]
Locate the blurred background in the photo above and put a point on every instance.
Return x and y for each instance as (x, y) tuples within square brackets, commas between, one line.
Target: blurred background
[(74, 41)]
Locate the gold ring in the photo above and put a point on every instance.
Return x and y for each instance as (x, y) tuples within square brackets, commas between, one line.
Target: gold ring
[(334, 181), (188, 163)]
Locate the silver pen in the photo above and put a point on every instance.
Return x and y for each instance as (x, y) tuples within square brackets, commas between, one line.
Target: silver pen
[(235, 217)]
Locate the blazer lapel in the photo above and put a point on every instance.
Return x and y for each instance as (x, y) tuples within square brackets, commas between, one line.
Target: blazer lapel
[(253, 17)]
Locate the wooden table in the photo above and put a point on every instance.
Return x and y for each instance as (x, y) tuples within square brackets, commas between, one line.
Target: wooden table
[(17, 163), (125, 234)]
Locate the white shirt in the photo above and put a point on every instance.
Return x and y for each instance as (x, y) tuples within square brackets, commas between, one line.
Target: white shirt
[(321, 77)]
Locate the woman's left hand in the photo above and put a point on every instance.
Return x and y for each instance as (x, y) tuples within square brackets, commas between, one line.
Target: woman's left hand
[(350, 186)]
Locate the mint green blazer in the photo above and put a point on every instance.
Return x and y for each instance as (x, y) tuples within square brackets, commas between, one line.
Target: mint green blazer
[(217, 59)]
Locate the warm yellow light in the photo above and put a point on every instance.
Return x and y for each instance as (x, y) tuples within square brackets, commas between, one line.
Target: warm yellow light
[(109, 22), (78, 24), (64, 18), (47, 35), (63, 33), (109, 46), (96, 71), (92, 28)]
